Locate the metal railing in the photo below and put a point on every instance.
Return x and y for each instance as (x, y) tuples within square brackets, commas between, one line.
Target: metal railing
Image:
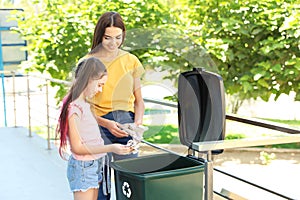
[(34, 96), (30, 104), (207, 148)]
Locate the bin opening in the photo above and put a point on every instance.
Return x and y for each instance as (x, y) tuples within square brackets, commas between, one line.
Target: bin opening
[(154, 163)]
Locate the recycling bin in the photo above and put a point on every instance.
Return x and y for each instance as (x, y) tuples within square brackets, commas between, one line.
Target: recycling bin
[(201, 117), (161, 176)]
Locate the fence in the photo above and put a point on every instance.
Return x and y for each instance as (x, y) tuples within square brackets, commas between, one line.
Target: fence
[(28, 101)]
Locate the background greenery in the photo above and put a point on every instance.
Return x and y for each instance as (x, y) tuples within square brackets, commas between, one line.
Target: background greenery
[(253, 44)]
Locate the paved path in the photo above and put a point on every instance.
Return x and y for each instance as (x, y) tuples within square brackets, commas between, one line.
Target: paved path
[(29, 171)]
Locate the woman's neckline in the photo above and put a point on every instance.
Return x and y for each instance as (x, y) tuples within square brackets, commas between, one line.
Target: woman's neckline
[(108, 59)]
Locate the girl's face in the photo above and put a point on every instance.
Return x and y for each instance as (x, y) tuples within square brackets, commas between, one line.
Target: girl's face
[(112, 38), (94, 87)]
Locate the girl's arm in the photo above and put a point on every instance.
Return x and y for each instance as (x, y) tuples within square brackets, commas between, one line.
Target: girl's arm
[(82, 149), (139, 106)]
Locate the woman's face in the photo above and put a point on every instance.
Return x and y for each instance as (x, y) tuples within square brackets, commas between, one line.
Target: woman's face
[(95, 86), (112, 38)]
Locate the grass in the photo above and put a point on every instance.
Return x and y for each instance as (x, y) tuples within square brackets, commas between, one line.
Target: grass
[(42, 131), (168, 134), (284, 146), (291, 123)]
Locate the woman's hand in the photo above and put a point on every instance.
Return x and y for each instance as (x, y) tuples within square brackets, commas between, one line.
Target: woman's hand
[(114, 128), (121, 149)]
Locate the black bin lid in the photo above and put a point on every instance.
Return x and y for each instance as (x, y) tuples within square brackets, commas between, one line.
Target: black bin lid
[(201, 107)]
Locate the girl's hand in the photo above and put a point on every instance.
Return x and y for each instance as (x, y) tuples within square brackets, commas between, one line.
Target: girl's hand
[(114, 128), (121, 149)]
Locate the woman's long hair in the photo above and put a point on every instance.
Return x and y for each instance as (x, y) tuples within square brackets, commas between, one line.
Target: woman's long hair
[(108, 19), (87, 70)]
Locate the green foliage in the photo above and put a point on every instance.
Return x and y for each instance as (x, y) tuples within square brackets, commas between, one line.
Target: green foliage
[(234, 136), (284, 146), (6, 3), (253, 44), (266, 158), (59, 33)]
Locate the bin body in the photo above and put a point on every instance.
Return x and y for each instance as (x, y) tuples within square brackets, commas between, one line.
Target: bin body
[(162, 176)]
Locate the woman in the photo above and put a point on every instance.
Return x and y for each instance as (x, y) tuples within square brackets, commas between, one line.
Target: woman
[(121, 99)]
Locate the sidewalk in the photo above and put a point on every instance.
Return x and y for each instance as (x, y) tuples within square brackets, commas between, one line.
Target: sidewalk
[(281, 175), (29, 171)]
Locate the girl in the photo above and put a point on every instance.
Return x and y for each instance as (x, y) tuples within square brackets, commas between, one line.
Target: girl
[(78, 126)]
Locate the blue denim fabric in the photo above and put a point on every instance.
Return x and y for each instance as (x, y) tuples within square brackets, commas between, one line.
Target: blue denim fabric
[(84, 175), (121, 117)]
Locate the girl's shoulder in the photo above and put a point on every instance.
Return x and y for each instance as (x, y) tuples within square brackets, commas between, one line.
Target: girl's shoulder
[(75, 105), (78, 106)]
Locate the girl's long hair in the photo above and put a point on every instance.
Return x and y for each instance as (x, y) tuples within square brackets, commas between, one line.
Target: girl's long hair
[(87, 70)]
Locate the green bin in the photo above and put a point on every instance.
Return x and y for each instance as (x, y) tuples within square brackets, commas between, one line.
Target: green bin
[(159, 177)]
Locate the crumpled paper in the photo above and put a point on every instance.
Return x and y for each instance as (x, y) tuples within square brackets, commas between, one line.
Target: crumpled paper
[(136, 132)]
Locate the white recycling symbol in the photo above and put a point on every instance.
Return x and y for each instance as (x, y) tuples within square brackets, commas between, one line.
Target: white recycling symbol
[(126, 189)]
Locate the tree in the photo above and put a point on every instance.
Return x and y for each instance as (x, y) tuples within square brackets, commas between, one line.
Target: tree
[(255, 44), (59, 33)]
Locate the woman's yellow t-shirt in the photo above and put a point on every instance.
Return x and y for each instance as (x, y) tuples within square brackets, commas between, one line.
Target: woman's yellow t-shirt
[(117, 92)]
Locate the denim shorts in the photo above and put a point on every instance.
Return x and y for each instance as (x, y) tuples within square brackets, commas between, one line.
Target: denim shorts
[(84, 175)]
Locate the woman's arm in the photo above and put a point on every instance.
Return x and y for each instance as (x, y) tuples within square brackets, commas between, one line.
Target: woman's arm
[(112, 126), (82, 149), (139, 106)]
